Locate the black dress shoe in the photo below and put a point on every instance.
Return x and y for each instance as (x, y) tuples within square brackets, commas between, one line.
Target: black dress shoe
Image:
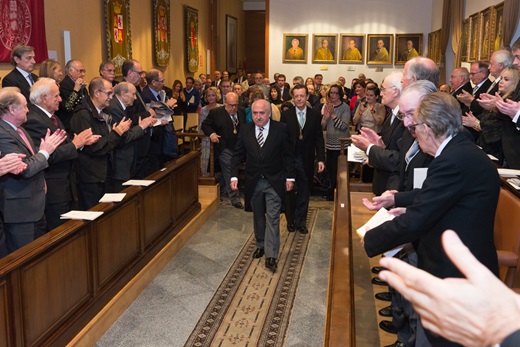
[(377, 269), (384, 296), (386, 312), (388, 326), (377, 281), (259, 253), (397, 344), (291, 228), (303, 230), (270, 263), (238, 205)]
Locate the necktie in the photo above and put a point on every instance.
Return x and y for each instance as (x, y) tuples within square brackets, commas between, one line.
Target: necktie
[(162, 96), (412, 151), (30, 79), (260, 137), (475, 89), (235, 120), (55, 121), (300, 114), (25, 140), (108, 119), (493, 84)]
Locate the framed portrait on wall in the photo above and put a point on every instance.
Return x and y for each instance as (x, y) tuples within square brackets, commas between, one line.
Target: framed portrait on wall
[(497, 28), (351, 48), (485, 35), (324, 48), (231, 44), (295, 48), (437, 46), (119, 39), (191, 20), (464, 41), (161, 21), (380, 49), (407, 46), (474, 32)]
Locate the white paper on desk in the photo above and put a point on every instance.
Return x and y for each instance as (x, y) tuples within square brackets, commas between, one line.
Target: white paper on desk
[(419, 175), (85, 215), (355, 155), (492, 157), (508, 172), (144, 183), (379, 218), (112, 197)]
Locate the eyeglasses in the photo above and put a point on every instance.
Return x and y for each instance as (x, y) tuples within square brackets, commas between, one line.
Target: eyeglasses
[(382, 89), (232, 105), (109, 70), (402, 116), (414, 126), (80, 70), (160, 81), (108, 93)]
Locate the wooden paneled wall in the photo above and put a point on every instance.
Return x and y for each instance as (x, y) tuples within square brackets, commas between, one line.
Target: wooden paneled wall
[(52, 288)]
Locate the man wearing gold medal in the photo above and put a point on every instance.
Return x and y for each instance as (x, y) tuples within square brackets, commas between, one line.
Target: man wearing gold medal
[(306, 135), (222, 126)]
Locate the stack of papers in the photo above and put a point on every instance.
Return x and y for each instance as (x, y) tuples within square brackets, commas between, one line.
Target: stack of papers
[(379, 218), (83, 215), (508, 172), (144, 183), (113, 197), (355, 155)]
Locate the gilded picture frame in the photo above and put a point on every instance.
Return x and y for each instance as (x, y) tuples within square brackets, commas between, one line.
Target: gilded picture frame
[(380, 49), (231, 44), (437, 45), (324, 48), (118, 35), (474, 32), (464, 41), (161, 39), (485, 34), (407, 46), (497, 28), (352, 48), (294, 49), (191, 22)]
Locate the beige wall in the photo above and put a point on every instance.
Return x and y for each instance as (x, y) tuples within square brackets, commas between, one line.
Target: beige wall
[(232, 8), (85, 21)]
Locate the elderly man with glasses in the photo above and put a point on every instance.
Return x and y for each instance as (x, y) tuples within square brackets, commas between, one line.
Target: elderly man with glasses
[(460, 192), (72, 91)]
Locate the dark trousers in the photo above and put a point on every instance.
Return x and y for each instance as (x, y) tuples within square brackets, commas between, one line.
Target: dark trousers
[(266, 206), (18, 235), (53, 211), (89, 194), (332, 167), (297, 200)]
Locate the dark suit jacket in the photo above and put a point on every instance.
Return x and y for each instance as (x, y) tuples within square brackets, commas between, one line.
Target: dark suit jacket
[(467, 87), (286, 94), (57, 175), (475, 106), (385, 160), (459, 193), (274, 160), (22, 197), (312, 145), (70, 99), (92, 163), (219, 121), (16, 79), (123, 159)]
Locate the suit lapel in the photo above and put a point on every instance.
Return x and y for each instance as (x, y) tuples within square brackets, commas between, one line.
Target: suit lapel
[(17, 137)]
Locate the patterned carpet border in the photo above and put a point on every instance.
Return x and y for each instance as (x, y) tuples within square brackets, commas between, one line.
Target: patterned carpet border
[(209, 330)]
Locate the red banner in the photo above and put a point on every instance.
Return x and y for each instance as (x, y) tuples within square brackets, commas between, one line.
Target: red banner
[(22, 22)]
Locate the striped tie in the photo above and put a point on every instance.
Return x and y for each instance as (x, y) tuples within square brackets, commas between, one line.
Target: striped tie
[(260, 137)]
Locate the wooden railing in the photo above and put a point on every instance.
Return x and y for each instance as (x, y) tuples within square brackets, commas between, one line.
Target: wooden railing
[(51, 288), (339, 325)]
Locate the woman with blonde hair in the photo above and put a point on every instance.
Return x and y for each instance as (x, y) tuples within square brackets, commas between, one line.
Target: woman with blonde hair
[(211, 96), (52, 69)]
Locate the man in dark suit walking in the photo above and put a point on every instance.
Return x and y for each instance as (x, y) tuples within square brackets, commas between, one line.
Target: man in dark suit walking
[(45, 97), (306, 134), (22, 197), (222, 126), (22, 57), (460, 193), (266, 149)]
